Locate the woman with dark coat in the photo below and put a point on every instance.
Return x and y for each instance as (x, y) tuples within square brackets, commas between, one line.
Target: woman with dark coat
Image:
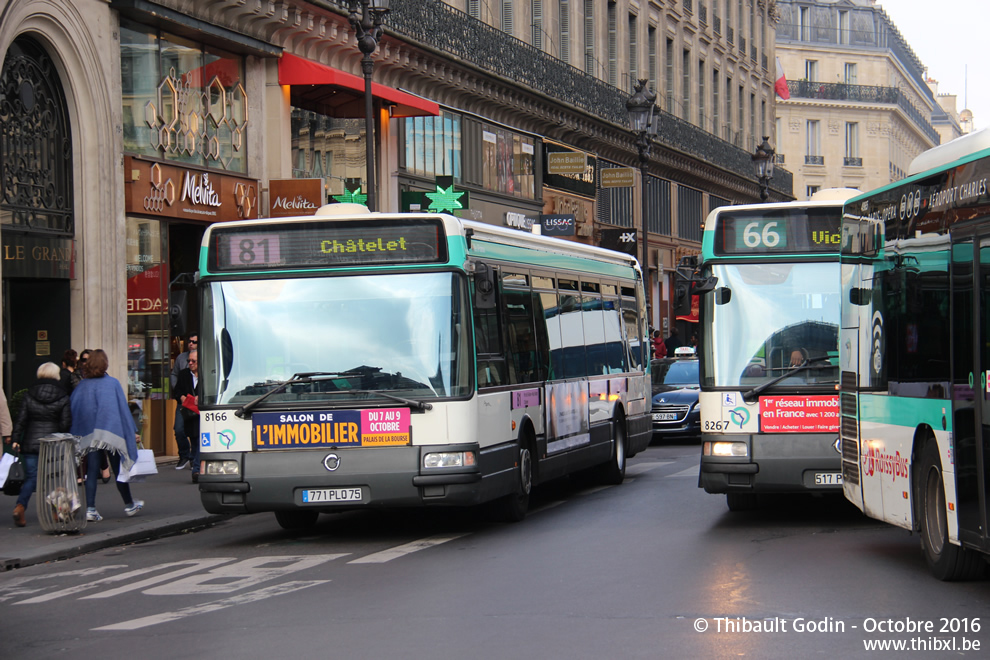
[(44, 410)]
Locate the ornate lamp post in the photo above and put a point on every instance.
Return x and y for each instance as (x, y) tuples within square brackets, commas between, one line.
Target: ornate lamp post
[(763, 166), (366, 16), (645, 123)]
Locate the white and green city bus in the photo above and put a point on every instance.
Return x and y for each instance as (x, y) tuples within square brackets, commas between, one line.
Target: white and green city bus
[(354, 359), (769, 328), (915, 354)]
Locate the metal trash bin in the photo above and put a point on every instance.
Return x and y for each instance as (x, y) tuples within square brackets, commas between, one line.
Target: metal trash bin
[(61, 507)]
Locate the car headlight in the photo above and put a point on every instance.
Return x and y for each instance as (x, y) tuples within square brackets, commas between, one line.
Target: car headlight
[(448, 459), (723, 448), (221, 467)]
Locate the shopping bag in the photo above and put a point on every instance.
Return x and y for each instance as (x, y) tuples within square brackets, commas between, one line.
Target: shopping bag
[(143, 466), (15, 476)]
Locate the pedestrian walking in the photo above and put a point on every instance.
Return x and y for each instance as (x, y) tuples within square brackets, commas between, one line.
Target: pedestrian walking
[(103, 421), (181, 437), (44, 410), (673, 342)]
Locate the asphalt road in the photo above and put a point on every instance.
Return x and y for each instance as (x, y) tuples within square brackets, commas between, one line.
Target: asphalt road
[(653, 568)]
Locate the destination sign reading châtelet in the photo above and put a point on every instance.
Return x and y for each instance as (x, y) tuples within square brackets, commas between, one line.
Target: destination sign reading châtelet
[(324, 243)]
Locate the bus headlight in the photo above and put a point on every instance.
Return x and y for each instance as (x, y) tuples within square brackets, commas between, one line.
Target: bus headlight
[(221, 467), (449, 459), (734, 449)]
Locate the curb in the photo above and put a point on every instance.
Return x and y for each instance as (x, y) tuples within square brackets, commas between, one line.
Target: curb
[(73, 545)]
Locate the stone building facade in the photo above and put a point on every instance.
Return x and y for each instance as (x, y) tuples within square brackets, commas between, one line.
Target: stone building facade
[(126, 126)]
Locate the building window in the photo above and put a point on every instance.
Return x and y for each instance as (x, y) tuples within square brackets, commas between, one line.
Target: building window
[(565, 30), (507, 16), (852, 157), (589, 38), (474, 9), (702, 120), (328, 147), (669, 74), (728, 109), (433, 146), (690, 213), (811, 190), (507, 162), (849, 71), (686, 84), (843, 27), (813, 143), (198, 97), (716, 119), (811, 70), (742, 116), (613, 46), (804, 24), (651, 38), (538, 24), (633, 52)]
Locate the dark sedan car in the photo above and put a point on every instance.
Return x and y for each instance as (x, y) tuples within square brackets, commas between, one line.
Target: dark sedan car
[(675, 397)]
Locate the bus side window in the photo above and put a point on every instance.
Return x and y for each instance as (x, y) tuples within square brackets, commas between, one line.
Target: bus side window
[(520, 339), (488, 344)]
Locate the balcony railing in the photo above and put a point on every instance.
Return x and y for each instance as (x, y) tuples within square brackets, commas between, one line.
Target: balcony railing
[(702, 13), (688, 6), (717, 22), (862, 94), (814, 160), (849, 161)]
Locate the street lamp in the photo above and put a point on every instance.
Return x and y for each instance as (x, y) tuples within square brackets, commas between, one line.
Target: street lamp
[(366, 16), (763, 166), (645, 122)]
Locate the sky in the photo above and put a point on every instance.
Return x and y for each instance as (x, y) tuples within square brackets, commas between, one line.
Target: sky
[(948, 35)]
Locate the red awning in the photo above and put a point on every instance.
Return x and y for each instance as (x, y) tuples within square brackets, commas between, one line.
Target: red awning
[(341, 94)]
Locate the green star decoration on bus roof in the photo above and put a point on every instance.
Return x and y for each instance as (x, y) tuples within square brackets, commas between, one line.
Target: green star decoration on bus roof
[(445, 199), (352, 196)]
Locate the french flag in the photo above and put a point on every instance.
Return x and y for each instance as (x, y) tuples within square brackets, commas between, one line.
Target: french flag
[(780, 85)]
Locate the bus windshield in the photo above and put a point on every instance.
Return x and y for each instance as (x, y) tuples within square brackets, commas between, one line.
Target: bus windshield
[(401, 333), (778, 316)]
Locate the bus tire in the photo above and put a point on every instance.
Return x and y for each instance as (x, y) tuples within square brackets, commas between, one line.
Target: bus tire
[(742, 501), (614, 471), (513, 508), (947, 561), (296, 519)]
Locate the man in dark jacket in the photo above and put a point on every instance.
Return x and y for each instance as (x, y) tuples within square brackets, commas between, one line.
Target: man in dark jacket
[(185, 387), (44, 410)]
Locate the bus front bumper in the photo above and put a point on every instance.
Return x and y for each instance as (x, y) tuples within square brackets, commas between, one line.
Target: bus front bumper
[(386, 476), (774, 463)]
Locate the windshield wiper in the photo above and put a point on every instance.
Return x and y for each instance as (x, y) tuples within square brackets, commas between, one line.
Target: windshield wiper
[(303, 377), (752, 395), (418, 405)]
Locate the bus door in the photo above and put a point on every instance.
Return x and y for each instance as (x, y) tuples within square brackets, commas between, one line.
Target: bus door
[(970, 389)]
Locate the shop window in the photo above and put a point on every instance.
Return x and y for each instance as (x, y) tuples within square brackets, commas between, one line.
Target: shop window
[(507, 162), (433, 146), (328, 148), (182, 101)]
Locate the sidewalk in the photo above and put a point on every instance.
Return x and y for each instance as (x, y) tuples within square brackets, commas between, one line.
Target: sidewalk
[(171, 504)]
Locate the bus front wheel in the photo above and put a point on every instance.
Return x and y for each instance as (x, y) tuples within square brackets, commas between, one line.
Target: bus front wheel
[(296, 519), (946, 560), (513, 508)]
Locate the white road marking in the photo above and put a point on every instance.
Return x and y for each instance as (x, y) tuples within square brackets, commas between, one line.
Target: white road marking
[(14, 587), (403, 550), (205, 608), (640, 468), (690, 472)]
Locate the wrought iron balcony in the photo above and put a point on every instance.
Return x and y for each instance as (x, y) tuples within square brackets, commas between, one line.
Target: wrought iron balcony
[(688, 6), (814, 160), (862, 94), (849, 161)]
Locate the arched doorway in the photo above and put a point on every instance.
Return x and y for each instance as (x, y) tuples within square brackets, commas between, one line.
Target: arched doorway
[(36, 212)]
